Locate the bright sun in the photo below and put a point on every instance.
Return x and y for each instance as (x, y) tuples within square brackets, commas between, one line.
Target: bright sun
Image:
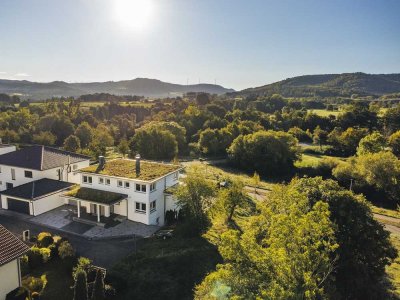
[(134, 14)]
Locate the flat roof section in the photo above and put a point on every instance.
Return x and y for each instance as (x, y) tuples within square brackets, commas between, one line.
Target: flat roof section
[(97, 196), (126, 168)]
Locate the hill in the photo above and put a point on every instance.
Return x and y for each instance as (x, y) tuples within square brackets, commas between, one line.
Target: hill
[(330, 85), (139, 86)]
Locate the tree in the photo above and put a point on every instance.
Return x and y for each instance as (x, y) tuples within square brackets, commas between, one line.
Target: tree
[(359, 270), (372, 143), (85, 134), (319, 136), (267, 152), (346, 142), (80, 288), (215, 141), (123, 147), (286, 252), (72, 143), (394, 142), (154, 143), (44, 138), (231, 198), (194, 196), (101, 140), (62, 128), (381, 171), (65, 250), (98, 287)]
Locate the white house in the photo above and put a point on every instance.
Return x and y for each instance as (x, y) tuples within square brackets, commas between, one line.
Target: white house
[(37, 179), (33, 178), (134, 189), (11, 249)]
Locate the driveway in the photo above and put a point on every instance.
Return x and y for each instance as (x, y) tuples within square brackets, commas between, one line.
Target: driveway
[(104, 253)]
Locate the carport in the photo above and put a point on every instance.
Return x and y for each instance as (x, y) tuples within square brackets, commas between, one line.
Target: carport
[(36, 197)]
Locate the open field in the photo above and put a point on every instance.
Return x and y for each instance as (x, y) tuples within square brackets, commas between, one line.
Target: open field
[(324, 112)]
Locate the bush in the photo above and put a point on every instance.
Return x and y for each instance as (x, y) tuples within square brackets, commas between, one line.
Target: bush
[(23, 262), (65, 250), (35, 296), (109, 291), (35, 284), (80, 288), (19, 293), (84, 264), (44, 239), (34, 257), (45, 253), (170, 217)]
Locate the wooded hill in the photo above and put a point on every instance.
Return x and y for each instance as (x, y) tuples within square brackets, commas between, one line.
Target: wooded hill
[(329, 85)]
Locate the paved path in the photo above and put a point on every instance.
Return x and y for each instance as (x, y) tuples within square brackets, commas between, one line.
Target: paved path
[(391, 224), (104, 253)]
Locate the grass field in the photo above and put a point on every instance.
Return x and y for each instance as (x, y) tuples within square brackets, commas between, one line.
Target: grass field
[(324, 112)]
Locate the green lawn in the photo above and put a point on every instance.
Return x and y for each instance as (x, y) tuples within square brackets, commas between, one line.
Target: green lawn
[(164, 269), (324, 112), (312, 160)]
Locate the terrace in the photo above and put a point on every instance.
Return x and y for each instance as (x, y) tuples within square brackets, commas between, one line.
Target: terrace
[(98, 203)]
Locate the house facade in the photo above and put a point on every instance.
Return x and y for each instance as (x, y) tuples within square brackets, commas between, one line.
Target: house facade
[(37, 179), (140, 184), (11, 249)]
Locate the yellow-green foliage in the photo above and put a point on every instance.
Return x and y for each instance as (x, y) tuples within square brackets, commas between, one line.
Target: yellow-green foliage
[(126, 168)]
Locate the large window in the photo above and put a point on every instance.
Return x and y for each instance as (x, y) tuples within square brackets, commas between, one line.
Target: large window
[(140, 188), (87, 179), (140, 207), (153, 206), (28, 174), (13, 174), (152, 187)]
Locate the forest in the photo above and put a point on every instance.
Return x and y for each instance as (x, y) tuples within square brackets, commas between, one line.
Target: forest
[(313, 237)]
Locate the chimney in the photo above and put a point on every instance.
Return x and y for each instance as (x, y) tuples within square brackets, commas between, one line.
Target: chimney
[(137, 158), (102, 163)]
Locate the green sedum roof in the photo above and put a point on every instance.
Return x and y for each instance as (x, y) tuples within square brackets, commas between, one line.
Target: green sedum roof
[(126, 168), (97, 196)]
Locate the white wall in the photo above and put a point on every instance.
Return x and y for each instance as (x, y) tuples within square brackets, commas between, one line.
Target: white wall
[(9, 275), (134, 196), (47, 203)]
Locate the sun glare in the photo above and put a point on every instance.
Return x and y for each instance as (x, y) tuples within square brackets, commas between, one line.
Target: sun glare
[(134, 14)]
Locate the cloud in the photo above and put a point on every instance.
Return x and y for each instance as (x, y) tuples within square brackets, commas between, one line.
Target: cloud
[(3, 73), (22, 75)]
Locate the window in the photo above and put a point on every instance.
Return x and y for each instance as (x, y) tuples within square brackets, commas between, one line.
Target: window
[(28, 174), (127, 185), (152, 186), (74, 167), (13, 174), (140, 188), (87, 179), (108, 181), (119, 183), (153, 206), (59, 174), (0, 169), (101, 180), (176, 175), (1, 182), (140, 207)]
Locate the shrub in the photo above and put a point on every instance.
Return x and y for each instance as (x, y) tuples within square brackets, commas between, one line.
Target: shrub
[(19, 293), (65, 250), (35, 284), (35, 296), (98, 287), (24, 265), (84, 264), (34, 257), (170, 217), (44, 239), (45, 253), (80, 288), (109, 291)]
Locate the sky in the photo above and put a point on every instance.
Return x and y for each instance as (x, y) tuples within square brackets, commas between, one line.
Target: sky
[(235, 43)]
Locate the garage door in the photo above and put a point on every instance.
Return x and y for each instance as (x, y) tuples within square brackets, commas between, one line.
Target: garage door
[(17, 205)]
